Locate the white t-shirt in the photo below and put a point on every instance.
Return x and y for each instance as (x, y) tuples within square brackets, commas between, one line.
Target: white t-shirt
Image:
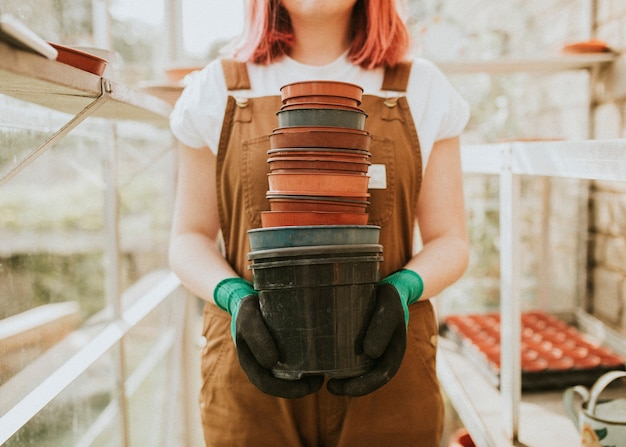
[(438, 110)]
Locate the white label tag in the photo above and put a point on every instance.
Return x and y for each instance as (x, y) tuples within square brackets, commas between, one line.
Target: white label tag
[(378, 177)]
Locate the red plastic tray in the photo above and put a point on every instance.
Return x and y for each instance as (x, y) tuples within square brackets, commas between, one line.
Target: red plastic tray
[(555, 354)]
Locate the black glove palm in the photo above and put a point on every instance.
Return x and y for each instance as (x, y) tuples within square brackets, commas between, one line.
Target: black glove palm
[(257, 354), (385, 342)]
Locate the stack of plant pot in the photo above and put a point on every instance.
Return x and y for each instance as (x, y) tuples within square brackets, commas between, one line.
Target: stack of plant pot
[(315, 261), (319, 157)]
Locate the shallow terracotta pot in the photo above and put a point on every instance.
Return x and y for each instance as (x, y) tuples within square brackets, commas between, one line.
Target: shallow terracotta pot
[(306, 127), (316, 171), (358, 200), (332, 195), (322, 153), (324, 88), (352, 119), (461, 438), (299, 218), (298, 137), (297, 204), (80, 59), (319, 105), (318, 163), (318, 183), (178, 74), (326, 99)]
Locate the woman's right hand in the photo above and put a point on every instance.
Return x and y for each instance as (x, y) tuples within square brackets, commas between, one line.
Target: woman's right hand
[(258, 354)]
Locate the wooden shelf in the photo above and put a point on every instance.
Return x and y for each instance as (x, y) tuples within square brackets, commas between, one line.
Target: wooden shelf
[(33, 78), (556, 63)]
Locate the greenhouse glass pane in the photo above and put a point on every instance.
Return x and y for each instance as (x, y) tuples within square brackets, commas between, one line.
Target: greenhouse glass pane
[(51, 227), (79, 414)]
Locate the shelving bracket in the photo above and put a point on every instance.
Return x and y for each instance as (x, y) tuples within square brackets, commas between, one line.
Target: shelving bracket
[(86, 112)]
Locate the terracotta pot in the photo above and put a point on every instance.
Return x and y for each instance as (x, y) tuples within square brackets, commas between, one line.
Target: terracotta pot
[(461, 438), (359, 199), (300, 218), (332, 195), (307, 127), (317, 163), (316, 205), (324, 88), (294, 203), (316, 171), (178, 74), (322, 153), (326, 99), (80, 59), (322, 117), (318, 183), (298, 137), (319, 105)]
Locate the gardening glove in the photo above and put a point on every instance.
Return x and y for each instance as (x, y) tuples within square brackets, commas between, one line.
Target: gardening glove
[(385, 338), (256, 350)]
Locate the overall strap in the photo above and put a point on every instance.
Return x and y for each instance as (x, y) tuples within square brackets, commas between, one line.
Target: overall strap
[(236, 74), (397, 77)]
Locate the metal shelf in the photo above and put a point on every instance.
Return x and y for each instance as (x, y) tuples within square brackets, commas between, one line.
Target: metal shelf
[(33, 78), (582, 159), (555, 63), (36, 79)]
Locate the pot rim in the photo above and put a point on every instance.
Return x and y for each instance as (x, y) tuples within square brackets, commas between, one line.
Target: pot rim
[(316, 159), (335, 249), (319, 106), (327, 194), (321, 87), (331, 99), (319, 129), (344, 151)]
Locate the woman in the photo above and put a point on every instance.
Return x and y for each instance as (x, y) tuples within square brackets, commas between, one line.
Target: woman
[(223, 120)]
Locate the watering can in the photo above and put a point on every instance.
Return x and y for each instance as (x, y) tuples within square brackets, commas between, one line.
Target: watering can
[(602, 423)]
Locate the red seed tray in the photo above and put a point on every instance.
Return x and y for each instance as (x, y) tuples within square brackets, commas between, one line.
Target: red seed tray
[(554, 353)]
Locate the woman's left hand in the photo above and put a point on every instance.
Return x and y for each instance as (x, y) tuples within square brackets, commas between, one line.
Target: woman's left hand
[(385, 342)]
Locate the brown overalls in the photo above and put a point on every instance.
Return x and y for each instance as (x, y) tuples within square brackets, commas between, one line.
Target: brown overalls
[(408, 411)]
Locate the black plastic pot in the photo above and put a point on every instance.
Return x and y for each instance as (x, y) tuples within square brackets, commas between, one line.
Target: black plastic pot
[(317, 308)]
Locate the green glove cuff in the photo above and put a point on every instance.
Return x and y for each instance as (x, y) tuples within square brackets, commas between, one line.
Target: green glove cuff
[(409, 285), (228, 295)]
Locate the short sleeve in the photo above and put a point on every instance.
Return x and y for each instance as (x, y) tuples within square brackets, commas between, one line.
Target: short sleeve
[(196, 120), (455, 118), (438, 110)]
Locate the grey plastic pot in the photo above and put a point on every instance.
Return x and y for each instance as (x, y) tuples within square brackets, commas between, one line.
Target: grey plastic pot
[(312, 235), (352, 119)]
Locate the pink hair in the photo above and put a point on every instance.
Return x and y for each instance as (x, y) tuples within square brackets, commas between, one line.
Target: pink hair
[(380, 37)]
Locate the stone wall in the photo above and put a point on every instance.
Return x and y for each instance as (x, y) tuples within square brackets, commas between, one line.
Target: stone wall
[(607, 259), (565, 105), (520, 106)]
